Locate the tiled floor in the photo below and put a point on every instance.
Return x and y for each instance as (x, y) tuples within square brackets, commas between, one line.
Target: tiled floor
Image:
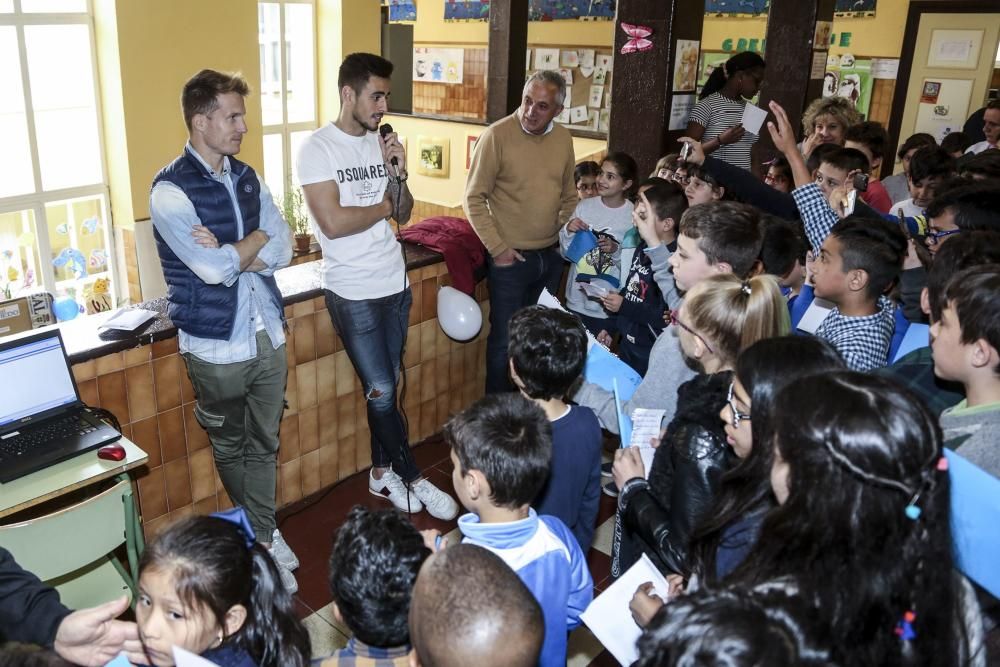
[(309, 527)]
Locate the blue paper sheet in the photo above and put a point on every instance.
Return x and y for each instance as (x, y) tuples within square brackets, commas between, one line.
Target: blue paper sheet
[(624, 421), (583, 242), (916, 337), (975, 515), (602, 368)]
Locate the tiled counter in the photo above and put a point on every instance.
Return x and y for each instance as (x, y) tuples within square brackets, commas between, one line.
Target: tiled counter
[(324, 433)]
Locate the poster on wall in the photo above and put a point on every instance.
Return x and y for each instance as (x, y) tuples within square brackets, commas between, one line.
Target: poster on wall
[(955, 49), (680, 111), (401, 10), (854, 8), (433, 154), (850, 78), (467, 10), (944, 106), (707, 63), (686, 65), (556, 10), (737, 7), (437, 65)]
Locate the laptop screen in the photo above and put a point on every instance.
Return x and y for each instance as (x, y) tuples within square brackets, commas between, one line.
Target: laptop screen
[(36, 378)]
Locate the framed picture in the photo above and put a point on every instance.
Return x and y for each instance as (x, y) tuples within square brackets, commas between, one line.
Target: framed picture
[(470, 145), (955, 49), (433, 155)]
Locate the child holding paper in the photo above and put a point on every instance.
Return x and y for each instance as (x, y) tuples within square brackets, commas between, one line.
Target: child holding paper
[(547, 351), (720, 317), (591, 240)]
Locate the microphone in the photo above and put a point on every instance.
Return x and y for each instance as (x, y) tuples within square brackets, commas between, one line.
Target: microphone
[(383, 130)]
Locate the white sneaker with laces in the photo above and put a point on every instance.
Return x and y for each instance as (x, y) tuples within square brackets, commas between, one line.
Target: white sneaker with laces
[(282, 553), (439, 504), (288, 580), (392, 488)]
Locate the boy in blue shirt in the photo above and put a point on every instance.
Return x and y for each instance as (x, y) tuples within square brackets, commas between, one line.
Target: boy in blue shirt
[(501, 447), (547, 351)]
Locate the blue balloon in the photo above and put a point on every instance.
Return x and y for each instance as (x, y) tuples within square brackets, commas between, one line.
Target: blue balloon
[(66, 309)]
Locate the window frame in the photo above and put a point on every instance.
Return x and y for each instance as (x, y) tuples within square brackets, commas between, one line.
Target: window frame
[(37, 200), (285, 129)]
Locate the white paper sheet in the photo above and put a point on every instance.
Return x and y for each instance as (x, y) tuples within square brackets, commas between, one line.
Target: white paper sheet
[(586, 58), (593, 291), (184, 658), (578, 114), (814, 315), (646, 427), (753, 118), (609, 618), (128, 320)]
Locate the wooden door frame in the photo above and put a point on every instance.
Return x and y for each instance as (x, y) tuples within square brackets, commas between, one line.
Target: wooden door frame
[(916, 10)]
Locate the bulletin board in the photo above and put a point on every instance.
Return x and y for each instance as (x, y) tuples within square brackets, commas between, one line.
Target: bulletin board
[(944, 106), (588, 82)]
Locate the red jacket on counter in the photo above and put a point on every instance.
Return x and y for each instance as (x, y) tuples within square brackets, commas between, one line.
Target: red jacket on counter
[(464, 253)]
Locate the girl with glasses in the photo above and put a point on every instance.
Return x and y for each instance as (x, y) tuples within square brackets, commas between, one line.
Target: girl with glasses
[(721, 316)]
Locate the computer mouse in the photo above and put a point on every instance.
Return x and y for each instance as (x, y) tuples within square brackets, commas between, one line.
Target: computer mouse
[(111, 453)]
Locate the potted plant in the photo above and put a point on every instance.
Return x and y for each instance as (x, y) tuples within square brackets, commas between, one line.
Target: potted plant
[(293, 208)]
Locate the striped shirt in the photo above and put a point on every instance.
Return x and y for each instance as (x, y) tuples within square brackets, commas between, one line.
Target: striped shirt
[(717, 113)]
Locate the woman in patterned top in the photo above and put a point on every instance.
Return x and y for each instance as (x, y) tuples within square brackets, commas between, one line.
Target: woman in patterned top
[(715, 120)]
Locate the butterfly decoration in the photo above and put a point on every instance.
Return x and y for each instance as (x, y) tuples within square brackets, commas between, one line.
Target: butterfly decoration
[(637, 38), (98, 258), (89, 225)]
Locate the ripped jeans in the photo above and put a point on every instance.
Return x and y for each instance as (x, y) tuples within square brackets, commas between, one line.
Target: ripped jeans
[(374, 333)]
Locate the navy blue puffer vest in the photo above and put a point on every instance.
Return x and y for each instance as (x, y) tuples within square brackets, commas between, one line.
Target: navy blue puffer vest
[(197, 308)]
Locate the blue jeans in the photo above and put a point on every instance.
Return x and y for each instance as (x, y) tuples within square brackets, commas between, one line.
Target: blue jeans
[(374, 334), (511, 289)]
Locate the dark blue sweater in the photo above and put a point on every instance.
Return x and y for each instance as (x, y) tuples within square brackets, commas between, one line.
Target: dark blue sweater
[(573, 491)]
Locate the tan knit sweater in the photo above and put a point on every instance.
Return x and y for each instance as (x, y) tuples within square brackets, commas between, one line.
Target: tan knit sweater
[(520, 190)]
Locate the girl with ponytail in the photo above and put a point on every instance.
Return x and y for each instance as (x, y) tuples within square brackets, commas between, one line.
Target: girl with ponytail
[(720, 317), (207, 587), (715, 119)]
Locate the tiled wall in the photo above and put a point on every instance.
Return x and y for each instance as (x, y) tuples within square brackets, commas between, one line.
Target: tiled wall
[(324, 433)]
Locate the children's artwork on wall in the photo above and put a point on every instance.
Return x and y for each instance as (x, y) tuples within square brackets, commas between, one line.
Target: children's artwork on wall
[(567, 75), (555, 10), (563, 118), (594, 119), (852, 79), (737, 7), (604, 120), (596, 95), (686, 65), (854, 8), (708, 61), (586, 58), (578, 114), (433, 154), (600, 76), (467, 10), (470, 146), (546, 58), (603, 61), (401, 10), (569, 59), (435, 65), (527, 60)]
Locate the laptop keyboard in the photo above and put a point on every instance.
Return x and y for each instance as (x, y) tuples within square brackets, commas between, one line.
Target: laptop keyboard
[(70, 426)]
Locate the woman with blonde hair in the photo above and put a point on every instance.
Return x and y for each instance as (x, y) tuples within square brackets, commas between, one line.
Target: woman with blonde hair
[(720, 317), (826, 120)]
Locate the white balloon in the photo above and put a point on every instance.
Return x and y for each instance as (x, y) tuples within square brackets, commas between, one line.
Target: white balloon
[(458, 314)]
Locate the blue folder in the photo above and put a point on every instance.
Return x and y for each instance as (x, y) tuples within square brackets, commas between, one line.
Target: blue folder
[(975, 515), (583, 242), (603, 368)]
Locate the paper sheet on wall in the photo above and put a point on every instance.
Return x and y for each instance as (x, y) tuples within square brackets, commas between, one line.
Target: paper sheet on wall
[(586, 58), (814, 316), (818, 69), (569, 59), (753, 118), (885, 68), (546, 58), (567, 75), (680, 111), (578, 114), (609, 618), (595, 97), (646, 426)]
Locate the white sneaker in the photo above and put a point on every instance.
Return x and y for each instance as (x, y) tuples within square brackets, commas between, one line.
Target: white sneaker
[(391, 488), (439, 504), (288, 580), (282, 553)]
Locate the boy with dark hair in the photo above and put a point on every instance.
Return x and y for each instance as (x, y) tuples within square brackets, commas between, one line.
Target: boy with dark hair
[(897, 185), (966, 344), (956, 143), (929, 167), (858, 263), (374, 564), (962, 206), (870, 138), (916, 369), (501, 447), (547, 351), (837, 167), (783, 253), (985, 166), (492, 618)]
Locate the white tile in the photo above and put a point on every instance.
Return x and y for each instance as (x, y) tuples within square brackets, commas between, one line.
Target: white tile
[(582, 647), (324, 638), (603, 536)]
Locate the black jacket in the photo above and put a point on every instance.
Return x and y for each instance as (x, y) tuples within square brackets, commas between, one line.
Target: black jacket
[(659, 516), (30, 611)]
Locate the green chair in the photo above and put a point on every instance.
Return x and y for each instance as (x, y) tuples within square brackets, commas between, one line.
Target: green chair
[(72, 548)]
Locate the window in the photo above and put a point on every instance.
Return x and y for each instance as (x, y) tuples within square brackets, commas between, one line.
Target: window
[(286, 35), (55, 231)]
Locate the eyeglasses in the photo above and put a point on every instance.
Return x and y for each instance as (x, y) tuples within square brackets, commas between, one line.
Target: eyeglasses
[(737, 415), (935, 237), (677, 322)]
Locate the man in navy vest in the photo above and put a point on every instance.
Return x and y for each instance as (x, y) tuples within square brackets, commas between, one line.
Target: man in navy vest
[(220, 238)]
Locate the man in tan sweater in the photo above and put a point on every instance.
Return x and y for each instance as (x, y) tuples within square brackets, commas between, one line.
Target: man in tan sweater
[(519, 194)]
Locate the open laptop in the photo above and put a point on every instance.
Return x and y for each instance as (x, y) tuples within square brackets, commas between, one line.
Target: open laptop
[(42, 419)]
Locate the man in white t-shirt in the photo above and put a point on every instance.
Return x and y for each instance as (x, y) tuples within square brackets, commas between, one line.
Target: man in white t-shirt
[(354, 180)]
